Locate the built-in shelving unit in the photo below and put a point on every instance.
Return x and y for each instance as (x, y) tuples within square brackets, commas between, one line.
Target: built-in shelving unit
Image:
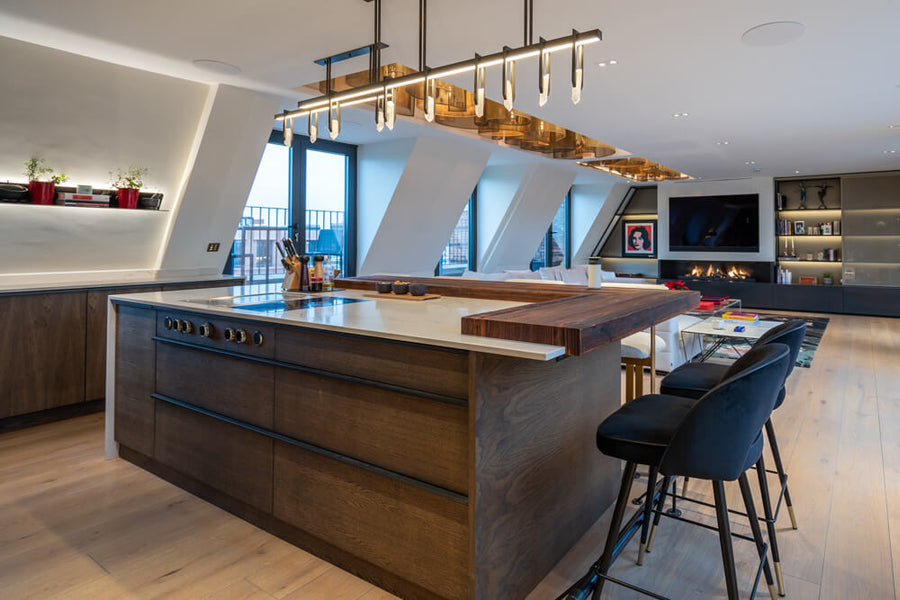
[(871, 218), (809, 239)]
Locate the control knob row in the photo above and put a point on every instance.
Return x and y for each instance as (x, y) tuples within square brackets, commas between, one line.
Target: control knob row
[(180, 325), (240, 336)]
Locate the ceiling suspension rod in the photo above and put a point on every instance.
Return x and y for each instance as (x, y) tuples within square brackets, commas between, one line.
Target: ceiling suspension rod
[(423, 33), (528, 32)]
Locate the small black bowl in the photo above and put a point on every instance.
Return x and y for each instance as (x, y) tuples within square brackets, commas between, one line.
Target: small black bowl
[(418, 289), (400, 288), (383, 287)]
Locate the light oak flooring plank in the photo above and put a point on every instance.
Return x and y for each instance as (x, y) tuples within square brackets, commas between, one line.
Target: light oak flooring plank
[(74, 526)]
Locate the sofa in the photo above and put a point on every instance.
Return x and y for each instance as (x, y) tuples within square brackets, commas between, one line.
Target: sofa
[(669, 351)]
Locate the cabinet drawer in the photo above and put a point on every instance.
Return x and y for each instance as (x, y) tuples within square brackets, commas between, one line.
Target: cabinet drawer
[(228, 458), (261, 345), (422, 438), (234, 387), (415, 534), (414, 366)]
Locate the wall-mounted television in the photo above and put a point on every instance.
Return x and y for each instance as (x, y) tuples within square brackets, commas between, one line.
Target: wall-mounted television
[(714, 223)]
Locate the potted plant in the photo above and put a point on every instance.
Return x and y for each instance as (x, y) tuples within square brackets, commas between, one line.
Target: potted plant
[(41, 180), (128, 183), (826, 279)]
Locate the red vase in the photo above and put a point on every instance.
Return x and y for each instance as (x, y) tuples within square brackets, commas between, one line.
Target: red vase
[(128, 197), (42, 192)]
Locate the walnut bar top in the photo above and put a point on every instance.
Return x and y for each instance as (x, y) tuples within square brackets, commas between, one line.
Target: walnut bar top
[(578, 318)]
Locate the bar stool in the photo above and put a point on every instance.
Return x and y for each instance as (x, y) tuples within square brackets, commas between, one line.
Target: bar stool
[(717, 438), (692, 380), (638, 353)]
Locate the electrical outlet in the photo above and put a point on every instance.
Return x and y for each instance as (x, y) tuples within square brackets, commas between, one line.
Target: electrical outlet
[(212, 247)]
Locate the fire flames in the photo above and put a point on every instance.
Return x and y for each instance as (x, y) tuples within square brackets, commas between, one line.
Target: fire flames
[(715, 272)]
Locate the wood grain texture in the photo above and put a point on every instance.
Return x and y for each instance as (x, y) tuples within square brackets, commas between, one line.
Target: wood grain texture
[(539, 481), (42, 355), (226, 457), (412, 533), (421, 438), (95, 343), (584, 322), (233, 387), (418, 367), (135, 416)]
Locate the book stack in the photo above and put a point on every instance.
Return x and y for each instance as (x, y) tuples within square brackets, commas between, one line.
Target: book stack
[(740, 316), (72, 199)]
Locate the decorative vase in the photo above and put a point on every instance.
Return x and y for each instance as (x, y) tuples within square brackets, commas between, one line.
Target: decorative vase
[(42, 192), (128, 197)]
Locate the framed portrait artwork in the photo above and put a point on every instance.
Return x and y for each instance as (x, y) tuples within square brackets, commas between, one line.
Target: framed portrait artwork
[(639, 238)]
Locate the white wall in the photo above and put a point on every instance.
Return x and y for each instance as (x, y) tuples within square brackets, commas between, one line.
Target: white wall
[(593, 207), (379, 168), (87, 117), (430, 195), (540, 190), (227, 149), (764, 186)]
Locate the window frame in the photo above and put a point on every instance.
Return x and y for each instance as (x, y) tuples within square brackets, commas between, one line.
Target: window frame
[(549, 237), (473, 236)]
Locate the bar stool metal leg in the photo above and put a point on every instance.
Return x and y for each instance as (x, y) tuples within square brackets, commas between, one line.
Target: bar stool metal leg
[(725, 540), (776, 455), (648, 507), (770, 522), (658, 512), (757, 532), (615, 524)]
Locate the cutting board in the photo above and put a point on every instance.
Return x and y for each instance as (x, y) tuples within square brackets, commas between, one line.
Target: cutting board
[(404, 296)]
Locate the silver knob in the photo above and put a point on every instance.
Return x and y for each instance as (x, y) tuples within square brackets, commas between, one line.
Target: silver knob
[(169, 323), (187, 327), (258, 338), (206, 330), (178, 324), (241, 336), (230, 334)]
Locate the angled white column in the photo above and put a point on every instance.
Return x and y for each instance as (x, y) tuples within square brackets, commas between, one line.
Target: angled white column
[(227, 149), (515, 207), (423, 190), (593, 207)]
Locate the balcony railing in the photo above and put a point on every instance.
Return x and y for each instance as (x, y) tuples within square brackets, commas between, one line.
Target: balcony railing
[(253, 254)]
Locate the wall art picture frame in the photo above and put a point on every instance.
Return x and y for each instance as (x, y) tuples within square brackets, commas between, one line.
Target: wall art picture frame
[(799, 227), (639, 238)]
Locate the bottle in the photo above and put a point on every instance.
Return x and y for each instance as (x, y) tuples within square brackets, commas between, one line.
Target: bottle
[(316, 283), (328, 275)]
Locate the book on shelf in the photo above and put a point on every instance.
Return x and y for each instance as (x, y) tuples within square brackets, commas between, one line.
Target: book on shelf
[(740, 316), (73, 199)]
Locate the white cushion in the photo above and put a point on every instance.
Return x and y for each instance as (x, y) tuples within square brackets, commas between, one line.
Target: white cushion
[(523, 274), (637, 345), (473, 274), (541, 281), (551, 273), (576, 275)]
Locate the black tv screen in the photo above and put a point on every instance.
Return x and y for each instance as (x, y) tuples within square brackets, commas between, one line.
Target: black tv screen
[(714, 223)]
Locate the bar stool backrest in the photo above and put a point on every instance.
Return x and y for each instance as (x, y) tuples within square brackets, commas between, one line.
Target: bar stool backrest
[(713, 440), (790, 334)]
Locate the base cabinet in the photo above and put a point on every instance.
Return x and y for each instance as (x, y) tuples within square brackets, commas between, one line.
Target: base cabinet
[(467, 480)]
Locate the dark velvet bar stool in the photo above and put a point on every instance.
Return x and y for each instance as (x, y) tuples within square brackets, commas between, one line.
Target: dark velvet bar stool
[(717, 437), (692, 380)]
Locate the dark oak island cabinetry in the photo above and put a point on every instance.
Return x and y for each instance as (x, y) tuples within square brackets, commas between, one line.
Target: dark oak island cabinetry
[(458, 469)]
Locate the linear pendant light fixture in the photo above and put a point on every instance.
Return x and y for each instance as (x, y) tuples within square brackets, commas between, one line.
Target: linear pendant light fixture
[(382, 92)]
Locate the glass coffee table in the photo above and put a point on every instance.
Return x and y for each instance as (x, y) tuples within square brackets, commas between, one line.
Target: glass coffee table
[(715, 333)]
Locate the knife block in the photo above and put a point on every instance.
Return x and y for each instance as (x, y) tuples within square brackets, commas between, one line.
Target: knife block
[(291, 282)]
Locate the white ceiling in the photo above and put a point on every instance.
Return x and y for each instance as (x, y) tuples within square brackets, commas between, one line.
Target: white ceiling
[(821, 104)]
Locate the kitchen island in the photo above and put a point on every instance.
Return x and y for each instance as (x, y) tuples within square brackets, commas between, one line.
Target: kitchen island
[(372, 431)]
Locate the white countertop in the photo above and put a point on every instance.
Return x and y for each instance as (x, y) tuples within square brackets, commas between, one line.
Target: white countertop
[(433, 322), (38, 282)]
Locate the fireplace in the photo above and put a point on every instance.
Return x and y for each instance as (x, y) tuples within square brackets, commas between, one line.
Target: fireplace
[(716, 270)]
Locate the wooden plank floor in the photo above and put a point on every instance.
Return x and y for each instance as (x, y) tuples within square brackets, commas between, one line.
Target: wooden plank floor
[(74, 526)]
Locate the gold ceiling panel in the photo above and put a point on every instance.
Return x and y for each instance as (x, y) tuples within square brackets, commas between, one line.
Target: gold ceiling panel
[(635, 168), (455, 107)]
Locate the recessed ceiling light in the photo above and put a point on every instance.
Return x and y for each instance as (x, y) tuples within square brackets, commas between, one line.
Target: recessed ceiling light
[(796, 172), (722, 143), (893, 126), (679, 115), (889, 151), (776, 33), (217, 66), (750, 162)]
